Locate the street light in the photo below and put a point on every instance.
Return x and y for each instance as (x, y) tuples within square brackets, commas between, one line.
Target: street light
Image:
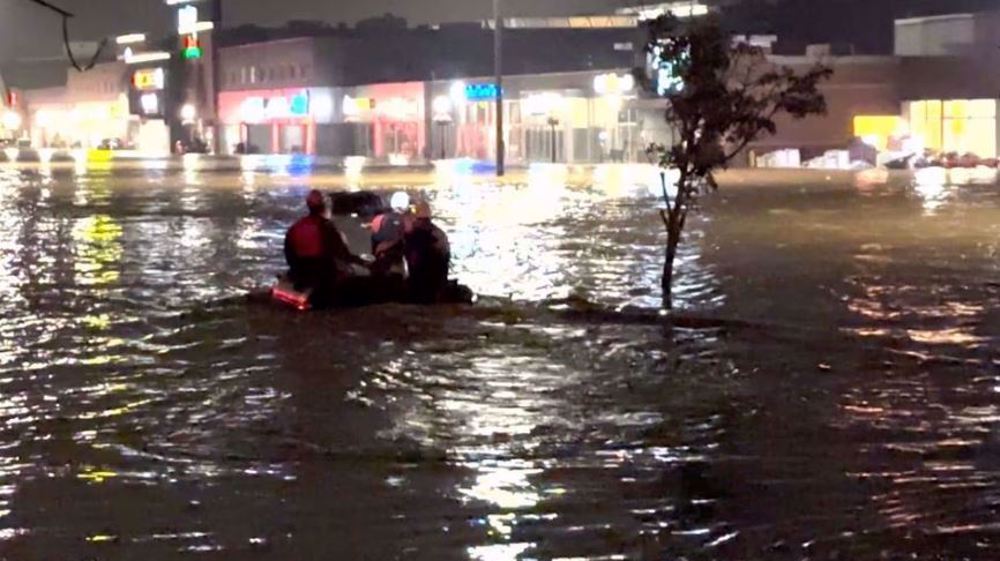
[(498, 68), (188, 113), (12, 120), (553, 122)]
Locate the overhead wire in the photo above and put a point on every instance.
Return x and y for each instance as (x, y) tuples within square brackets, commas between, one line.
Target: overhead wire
[(67, 45)]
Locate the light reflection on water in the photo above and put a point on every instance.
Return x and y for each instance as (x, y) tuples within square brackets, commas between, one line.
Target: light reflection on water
[(848, 405)]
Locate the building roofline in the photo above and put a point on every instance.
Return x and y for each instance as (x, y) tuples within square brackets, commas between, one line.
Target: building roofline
[(925, 19), (793, 59)]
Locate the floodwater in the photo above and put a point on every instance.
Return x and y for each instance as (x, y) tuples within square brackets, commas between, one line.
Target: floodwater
[(841, 400)]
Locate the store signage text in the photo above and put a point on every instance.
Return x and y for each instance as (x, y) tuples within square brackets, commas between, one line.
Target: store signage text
[(257, 109), (148, 79), (481, 92), (614, 84), (355, 106)]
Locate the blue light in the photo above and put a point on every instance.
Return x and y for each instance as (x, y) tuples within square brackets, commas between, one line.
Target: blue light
[(481, 92)]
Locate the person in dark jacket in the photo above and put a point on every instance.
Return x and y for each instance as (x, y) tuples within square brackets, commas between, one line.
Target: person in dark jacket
[(318, 258), (428, 256), (387, 237)]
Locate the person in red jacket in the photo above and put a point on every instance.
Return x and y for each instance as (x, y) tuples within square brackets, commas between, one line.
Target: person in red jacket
[(318, 258)]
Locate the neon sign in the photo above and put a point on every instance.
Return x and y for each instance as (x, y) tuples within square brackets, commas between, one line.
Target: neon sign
[(481, 92), (258, 109)]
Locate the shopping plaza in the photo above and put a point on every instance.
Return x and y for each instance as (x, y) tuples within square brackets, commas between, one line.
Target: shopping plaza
[(568, 94)]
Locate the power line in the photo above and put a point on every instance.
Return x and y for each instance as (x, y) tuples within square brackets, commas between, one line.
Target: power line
[(65, 33)]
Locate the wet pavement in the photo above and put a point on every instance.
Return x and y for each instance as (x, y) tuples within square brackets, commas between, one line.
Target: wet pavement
[(841, 401)]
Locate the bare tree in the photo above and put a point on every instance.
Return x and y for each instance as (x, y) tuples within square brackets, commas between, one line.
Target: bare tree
[(722, 95)]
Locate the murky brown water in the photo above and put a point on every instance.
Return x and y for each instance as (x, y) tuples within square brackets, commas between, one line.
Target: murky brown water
[(848, 409)]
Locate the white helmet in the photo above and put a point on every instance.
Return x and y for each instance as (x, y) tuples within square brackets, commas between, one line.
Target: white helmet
[(400, 202)]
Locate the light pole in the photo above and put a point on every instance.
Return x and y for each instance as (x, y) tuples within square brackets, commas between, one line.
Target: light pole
[(553, 123), (498, 67)]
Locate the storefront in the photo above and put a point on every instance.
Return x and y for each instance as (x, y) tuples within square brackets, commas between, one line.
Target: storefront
[(572, 117), (91, 111), (393, 115), (954, 125), (282, 121), (82, 124)]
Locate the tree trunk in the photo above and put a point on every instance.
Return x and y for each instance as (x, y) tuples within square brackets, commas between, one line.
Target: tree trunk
[(673, 240)]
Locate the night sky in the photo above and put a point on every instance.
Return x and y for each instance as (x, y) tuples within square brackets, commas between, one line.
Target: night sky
[(27, 30)]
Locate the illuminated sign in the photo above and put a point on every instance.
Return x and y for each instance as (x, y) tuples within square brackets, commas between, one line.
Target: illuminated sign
[(614, 84), (130, 39), (481, 92), (148, 79), (258, 109), (399, 108), (187, 20), (355, 106), (299, 105), (146, 104), (150, 104), (544, 104)]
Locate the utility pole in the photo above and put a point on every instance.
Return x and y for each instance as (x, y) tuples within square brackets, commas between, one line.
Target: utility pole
[(219, 131), (498, 63)]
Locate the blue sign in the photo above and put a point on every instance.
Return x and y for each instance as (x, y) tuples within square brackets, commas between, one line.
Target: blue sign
[(481, 92), (299, 105)]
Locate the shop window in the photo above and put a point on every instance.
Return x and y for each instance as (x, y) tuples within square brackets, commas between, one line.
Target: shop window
[(926, 122), (970, 126)]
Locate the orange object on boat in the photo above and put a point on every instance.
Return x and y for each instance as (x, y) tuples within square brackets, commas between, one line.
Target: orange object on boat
[(284, 292)]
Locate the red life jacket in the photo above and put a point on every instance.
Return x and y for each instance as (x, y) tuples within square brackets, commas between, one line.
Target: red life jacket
[(306, 237)]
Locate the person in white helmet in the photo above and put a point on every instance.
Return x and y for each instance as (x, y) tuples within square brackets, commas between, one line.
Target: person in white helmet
[(428, 256)]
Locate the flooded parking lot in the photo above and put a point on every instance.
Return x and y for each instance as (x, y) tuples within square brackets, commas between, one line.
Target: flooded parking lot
[(841, 402)]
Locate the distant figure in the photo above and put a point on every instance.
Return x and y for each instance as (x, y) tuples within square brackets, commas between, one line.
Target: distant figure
[(428, 256), (318, 258)]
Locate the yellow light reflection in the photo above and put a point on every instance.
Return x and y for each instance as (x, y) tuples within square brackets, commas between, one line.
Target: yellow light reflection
[(94, 475), (503, 552), (98, 250), (101, 538), (931, 185)]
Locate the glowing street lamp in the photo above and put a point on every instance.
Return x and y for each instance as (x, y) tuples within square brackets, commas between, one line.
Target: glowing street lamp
[(188, 113), (12, 120)]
